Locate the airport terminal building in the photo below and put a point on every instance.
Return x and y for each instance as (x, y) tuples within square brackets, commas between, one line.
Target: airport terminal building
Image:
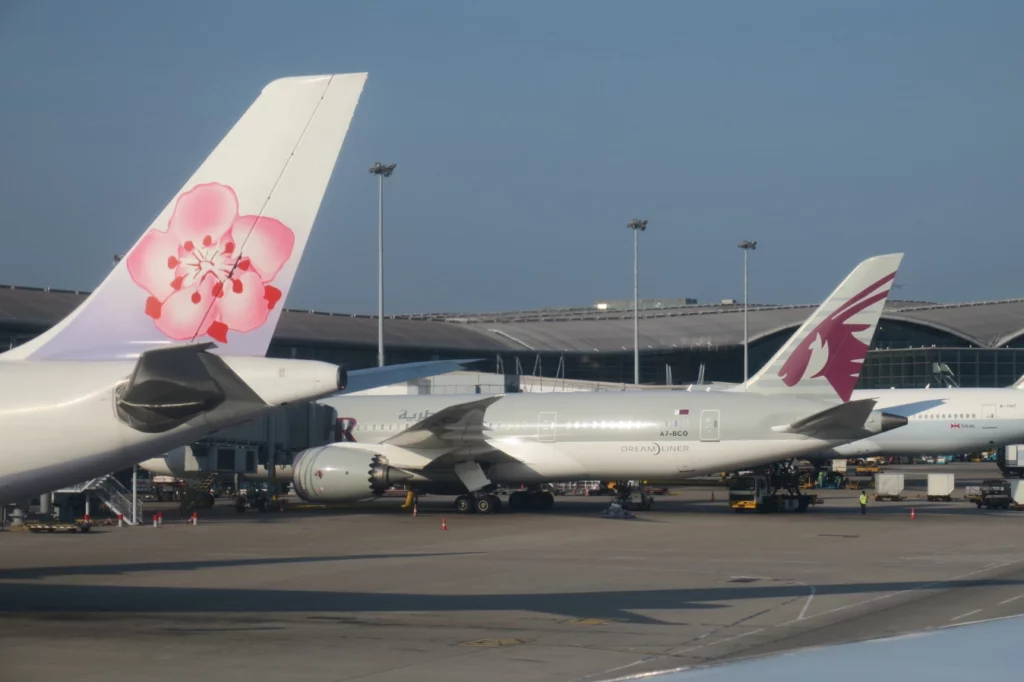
[(917, 343)]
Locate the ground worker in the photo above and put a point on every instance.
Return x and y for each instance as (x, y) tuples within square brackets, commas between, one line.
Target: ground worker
[(863, 502)]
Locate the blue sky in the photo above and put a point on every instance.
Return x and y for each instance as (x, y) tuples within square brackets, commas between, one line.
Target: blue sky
[(527, 134)]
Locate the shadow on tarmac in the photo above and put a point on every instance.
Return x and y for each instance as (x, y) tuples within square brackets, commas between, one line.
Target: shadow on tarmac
[(18, 598), (121, 569), (841, 503)]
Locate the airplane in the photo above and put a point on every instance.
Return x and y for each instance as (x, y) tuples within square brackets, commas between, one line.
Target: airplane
[(171, 345), (941, 421), (455, 445)]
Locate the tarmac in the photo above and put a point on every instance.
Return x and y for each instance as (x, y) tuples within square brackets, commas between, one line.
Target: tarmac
[(375, 594)]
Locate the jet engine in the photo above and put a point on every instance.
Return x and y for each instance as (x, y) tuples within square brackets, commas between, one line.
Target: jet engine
[(342, 474), (880, 422)]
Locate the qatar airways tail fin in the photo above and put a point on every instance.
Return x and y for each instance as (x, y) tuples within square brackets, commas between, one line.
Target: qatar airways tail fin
[(824, 357), (217, 263)]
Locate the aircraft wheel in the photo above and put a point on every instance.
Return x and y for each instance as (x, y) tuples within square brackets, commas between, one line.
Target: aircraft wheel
[(520, 499), (464, 504), (547, 500), (485, 504), (496, 501)]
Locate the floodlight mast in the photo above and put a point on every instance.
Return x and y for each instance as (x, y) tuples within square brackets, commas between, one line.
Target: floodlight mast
[(747, 247), (637, 226), (382, 171)]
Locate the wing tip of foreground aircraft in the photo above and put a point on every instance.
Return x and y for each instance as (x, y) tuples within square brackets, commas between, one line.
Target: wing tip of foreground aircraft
[(824, 357), (936, 654), (219, 259)]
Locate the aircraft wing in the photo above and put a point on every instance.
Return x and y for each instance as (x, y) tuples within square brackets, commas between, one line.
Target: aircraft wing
[(460, 423), (363, 379)]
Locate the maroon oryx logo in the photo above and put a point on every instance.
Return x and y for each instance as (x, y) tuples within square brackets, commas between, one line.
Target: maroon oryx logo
[(836, 352)]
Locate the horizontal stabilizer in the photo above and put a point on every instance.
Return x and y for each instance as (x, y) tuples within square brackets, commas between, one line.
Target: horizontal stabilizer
[(459, 423), (170, 386), (365, 379), (845, 418)]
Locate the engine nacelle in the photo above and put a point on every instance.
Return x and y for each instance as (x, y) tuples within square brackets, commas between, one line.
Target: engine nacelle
[(880, 422), (342, 474)]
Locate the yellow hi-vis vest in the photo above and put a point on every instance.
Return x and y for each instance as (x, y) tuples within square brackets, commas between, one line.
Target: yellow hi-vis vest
[(863, 498)]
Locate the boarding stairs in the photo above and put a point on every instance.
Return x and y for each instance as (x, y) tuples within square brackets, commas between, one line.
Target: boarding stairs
[(110, 491), (202, 483)]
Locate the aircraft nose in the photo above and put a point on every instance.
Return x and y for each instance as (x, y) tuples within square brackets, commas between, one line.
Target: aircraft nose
[(892, 421)]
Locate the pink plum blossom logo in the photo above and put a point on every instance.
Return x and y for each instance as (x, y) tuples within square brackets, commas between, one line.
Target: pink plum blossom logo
[(198, 279), (832, 349)]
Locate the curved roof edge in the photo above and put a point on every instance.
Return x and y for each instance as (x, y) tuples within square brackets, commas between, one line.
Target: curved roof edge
[(1003, 340), (937, 327)]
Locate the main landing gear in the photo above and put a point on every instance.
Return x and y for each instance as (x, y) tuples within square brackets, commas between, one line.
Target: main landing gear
[(489, 503), (531, 499), (479, 503)]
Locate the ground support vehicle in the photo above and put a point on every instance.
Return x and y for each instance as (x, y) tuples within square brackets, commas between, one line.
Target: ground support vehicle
[(777, 490)]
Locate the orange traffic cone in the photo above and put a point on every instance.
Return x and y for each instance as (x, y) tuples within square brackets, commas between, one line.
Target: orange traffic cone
[(913, 513), (195, 518), (444, 523), (87, 518), (712, 495), (415, 509), (120, 520)]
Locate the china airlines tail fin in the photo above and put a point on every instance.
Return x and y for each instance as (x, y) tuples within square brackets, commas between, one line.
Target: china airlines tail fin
[(217, 263), (824, 357)]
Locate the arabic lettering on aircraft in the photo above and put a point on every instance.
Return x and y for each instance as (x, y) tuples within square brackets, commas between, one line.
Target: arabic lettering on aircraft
[(415, 416)]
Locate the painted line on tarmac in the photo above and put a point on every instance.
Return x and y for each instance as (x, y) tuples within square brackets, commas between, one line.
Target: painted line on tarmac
[(964, 615), (803, 611), (614, 670), (1011, 599), (729, 639), (975, 622), (721, 641), (923, 586)]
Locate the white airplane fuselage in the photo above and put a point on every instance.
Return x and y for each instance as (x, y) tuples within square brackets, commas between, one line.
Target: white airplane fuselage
[(943, 421), (60, 425)]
